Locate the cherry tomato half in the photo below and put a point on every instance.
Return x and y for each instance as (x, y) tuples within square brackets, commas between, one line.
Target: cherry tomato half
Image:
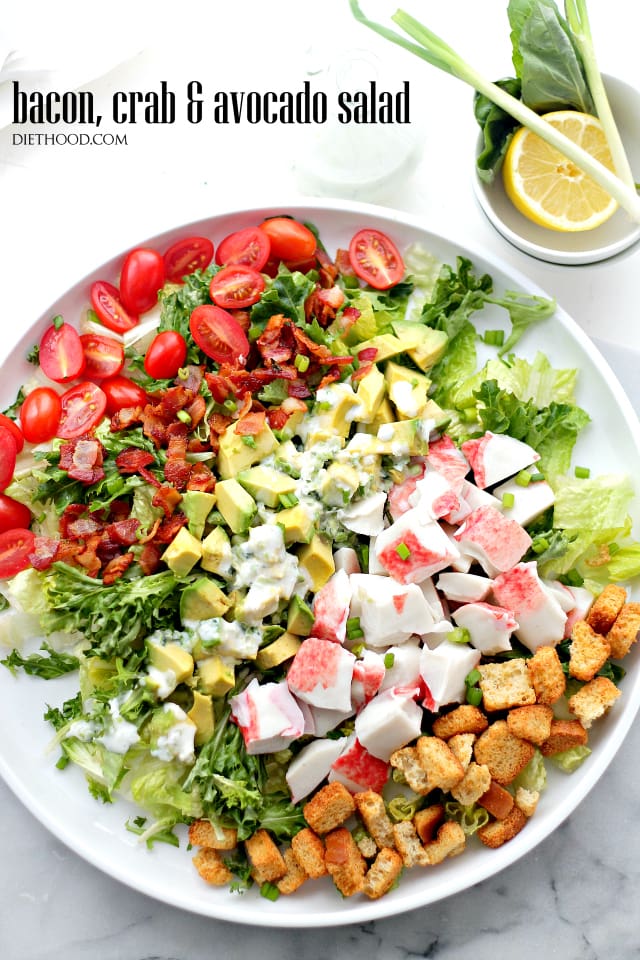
[(186, 256), (167, 352), (375, 259), (219, 335), (13, 514), (250, 247), (40, 415), (289, 239), (237, 286), (141, 277), (104, 356), (122, 393), (15, 547), (105, 300), (14, 430), (82, 408), (7, 457), (61, 355)]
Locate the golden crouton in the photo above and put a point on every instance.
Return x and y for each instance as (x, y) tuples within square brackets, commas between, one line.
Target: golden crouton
[(406, 761), (606, 608), (371, 808), (527, 800), (589, 651), (212, 867), (497, 832), (295, 875), (546, 675), (329, 808), (407, 843), (506, 685), (593, 700), (442, 767), (367, 846), (382, 874), (497, 801), (464, 719), (461, 746), (625, 630), (427, 820), (309, 851), (202, 833), (344, 862), (531, 723), (265, 858), (473, 785), (565, 734), (449, 842), (505, 754)]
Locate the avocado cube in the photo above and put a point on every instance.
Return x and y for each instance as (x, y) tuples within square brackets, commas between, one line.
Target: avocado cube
[(430, 346), (287, 457), (285, 647), (386, 345), (201, 713), (404, 438), (299, 617), (216, 552), (183, 553), (370, 394), (407, 389), (171, 657), (197, 505), (203, 600), (340, 483), (215, 676), (236, 453), (297, 524), (316, 559), (266, 485), (236, 506)]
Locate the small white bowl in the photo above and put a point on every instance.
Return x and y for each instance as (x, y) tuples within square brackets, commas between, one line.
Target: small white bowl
[(589, 246)]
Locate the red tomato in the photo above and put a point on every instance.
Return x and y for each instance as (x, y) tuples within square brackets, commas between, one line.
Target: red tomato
[(375, 259), (15, 547), (40, 415), (14, 430), (104, 356), (249, 246), (236, 286), (219, 335), (141, 277), (186, 256), (105, 300), (82, 408), (290, 240), (167, 352), (7, 457), (122, 393), (61, 356), (13, 514)]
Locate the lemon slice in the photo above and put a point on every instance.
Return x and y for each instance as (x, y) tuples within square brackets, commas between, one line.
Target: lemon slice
[(550, 189)]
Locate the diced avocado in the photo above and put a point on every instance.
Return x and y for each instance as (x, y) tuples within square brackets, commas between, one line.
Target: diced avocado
[(236, 453), (407, 389), (201, 713), (333, 414), (403, 438), (235, 504), (215, 676), (370, 394), (203, 600), (285, 647), (386, 344), (266, 485), (299, 617), (197, 505), (291, 426), (216, 552), (384, 413), (287, 458), (430, 346), (171, 657), (316, 559), (297, 524), (183, 552), (340, 483), (433, 411)]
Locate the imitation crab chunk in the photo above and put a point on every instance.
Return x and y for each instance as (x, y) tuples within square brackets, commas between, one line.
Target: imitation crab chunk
[(389, 612), (444, 670), (311, 766), (389, 721), (445, 457), (268, 716), (358, 769), (411, 550), (320, 674), (496, 456), (331, 608), (496, 542), (541, 619), (490, 627), (464, 587)]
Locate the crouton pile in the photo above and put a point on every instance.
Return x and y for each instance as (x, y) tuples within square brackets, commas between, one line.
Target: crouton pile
[(472, 755)]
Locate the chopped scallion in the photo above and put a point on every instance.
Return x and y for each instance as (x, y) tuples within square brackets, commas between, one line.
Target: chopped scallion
[(508, 500), (459, 635), (523, 479), (403, 551), (269, 891), (540, 544), (184, 417), (472, 678), (537, 477), (494, 338), (583, 473), (389, 660), (301, 362), (474, 696), (288, 500)]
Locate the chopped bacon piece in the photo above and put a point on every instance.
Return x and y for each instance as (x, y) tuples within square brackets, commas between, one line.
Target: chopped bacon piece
[(218, 423), (83, 527), (347, 318), (115, 568), (197, 446), (196, 410), (251, 424), (174, 399), (361, 372), (368, 355), (167, 498), (317, 351), (118, 510), (169, 528), (245, 406), (44, 553), (153, 426), (298, 389), (176, 472), (88, 557), (149, 558), (82, 459), (194, 377), (277, 418), (68, 550), (332, 374), (201, 478), (108, 548), (69, 514), (134, 460), (125, 418), (328, 272), (124, 531), (343, 263), (177, 437), (277, 343)]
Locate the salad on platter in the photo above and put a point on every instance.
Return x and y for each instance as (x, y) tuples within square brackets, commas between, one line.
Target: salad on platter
[(311, 538)]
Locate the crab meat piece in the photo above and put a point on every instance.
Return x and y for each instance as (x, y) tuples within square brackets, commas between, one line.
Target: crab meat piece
[(431, 596), (541, 619), (365, 516), (448, 460), (497, 456), (320, 674), (582, 603), (528, 502), (368, 675), (399, 494), (389, 613), (490, 627), (331, 608), (311, 766), (389, 721), (561, 593), (437, 634), (374, 564), (358, 769), (404, 671), (464, 587), (496, 542), (444, 670), (268, 716), (476, 497), (318, 722), (434, 497), (411, 550), (345, 558)]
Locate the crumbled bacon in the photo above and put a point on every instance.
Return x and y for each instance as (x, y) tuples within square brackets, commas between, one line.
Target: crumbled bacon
[(82, 458), (218, 423), (70, 513), (115, 568), (169, 528), (125, 418), (328, 272), (88, 557), (196, 410), (124, 532), (84, 526), (149, 558), (343, 263), (167, 498), (134, 460), (332, 374), (193, 378), (201, 478), (176, 472), (368, 354), (44, 552), (298, 389), (251, 424)]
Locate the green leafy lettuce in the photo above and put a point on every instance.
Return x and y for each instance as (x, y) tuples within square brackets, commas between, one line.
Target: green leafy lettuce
[(285, 294)]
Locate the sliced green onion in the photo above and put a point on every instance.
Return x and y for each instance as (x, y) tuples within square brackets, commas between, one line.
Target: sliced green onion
[(508, 500), (230, 404), (389, 660), (582, 473), (571, 579), (540, 544), (494, 338), (249, 441), (184, 416), (403, 551), (472, 678), (358, 650), (288, 500), (614, 548), (474, 696), (354, 630), (523, 479), (57, 322), (269, 891), (537, 477), (301, 362), (459, 635)]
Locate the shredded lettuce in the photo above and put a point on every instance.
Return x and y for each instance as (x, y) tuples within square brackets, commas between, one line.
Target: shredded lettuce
[(534, 775), (470, 818), (570, 760)]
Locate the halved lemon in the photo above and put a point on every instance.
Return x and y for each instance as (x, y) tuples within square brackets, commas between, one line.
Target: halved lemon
[(550, 189)]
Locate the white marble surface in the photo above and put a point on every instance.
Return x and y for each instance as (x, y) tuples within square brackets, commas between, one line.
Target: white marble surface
[(65, 210)]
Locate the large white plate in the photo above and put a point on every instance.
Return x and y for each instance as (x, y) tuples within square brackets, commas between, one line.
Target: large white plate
[(96, 832)]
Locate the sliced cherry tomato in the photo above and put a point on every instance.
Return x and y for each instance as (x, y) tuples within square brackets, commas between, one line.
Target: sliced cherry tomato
[(141, 277), (7, 457), (122, 393), (375, 259), (219, 335), (14, 430), (13, 514), (105, 300), (187, 255), (290, 240), (82, 408), (167, 352), (15, 547), (40, 415), (236, 286), (250, 247), (61, 355), (104, 356)]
